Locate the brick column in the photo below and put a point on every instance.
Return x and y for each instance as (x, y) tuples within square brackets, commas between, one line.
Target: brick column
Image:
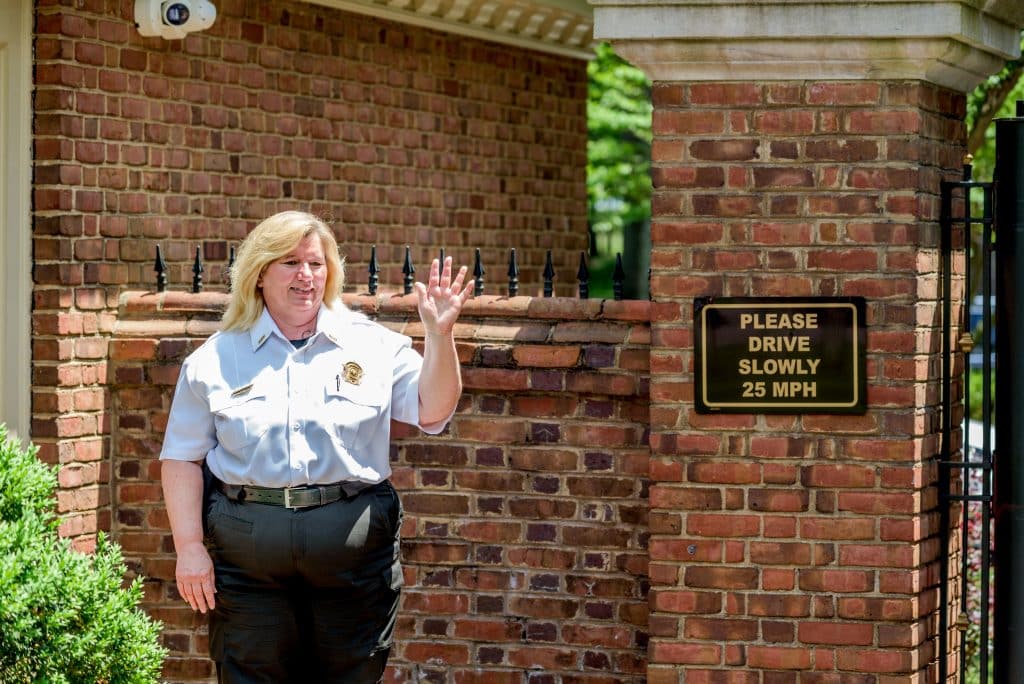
[(799, 548), (790, 543)]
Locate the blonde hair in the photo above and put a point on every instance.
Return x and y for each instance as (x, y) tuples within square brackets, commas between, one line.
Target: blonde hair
[(272, 239)]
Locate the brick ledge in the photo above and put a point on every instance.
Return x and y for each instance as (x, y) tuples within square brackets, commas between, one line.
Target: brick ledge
[(210, 305)]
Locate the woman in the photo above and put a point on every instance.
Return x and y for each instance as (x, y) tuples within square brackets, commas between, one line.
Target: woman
[(289, 406)]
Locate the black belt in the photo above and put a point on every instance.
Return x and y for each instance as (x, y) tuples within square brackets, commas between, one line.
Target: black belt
[(306, 496)]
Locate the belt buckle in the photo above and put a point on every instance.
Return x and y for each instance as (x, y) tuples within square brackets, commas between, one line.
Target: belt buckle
[(288, 499)]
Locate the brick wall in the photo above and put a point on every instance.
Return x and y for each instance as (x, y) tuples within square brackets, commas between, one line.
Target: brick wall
[(525, 538), (399, 135), (798, 548)]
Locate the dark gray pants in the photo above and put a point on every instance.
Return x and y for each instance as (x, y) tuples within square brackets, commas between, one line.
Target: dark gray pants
[(304, 595)]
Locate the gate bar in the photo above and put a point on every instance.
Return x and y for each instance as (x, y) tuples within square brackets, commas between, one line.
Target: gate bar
[(959, 229), (1009, 480)]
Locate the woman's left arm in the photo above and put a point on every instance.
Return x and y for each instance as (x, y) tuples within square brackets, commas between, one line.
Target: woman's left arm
[(440, 303)]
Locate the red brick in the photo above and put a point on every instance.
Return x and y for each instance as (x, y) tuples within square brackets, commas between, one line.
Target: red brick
[(875, 660), (726, 94), (687, 177), (686, 122), (686, 499), (843, 93), (722, 525), (543, 356), (715, 629), (837, 633), (432, 652), (685, 654), (726, 206), (715, 472), (783, 177), (838, 475), (778, 500), (689, 602), (133, 350), (778, 658), (884, 122), (495, 379), (836, 581), (435, 603), (780, 553), (879, 502), (505, 431), (788, 122), (725, 150), (878, 555), (716, 577), (771, 605)]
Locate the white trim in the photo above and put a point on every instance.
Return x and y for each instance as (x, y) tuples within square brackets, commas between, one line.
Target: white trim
[(900, 20), (943, 61), (474, 21), (16, 215)]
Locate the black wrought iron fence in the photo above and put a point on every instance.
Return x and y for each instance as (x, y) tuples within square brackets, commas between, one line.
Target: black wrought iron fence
[(965, 469), (409, 270)]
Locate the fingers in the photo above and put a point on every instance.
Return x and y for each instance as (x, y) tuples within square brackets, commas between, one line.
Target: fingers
[(208, 591), (457, 285), (468, 292), (198, 595), (440, 284), (433, 280), (446, 273), (195, 578)]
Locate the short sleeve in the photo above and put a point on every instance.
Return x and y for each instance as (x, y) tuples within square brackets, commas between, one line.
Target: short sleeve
[(190, 433)]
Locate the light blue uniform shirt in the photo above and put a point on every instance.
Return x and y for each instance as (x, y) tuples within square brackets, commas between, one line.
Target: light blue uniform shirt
[(262, 412)]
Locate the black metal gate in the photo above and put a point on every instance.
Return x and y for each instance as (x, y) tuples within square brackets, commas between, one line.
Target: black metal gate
[(965, 465)]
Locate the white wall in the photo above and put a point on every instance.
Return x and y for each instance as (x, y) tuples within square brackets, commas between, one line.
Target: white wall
[(15, 214)]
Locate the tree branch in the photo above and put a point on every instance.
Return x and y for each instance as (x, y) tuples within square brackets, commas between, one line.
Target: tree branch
[(994, 99)]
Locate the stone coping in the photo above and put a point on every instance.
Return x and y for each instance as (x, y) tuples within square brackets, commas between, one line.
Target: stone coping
[(209, 305), (951, 43)]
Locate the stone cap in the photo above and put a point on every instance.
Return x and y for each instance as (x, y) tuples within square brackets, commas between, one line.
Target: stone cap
[(952, 43), (209, 306)]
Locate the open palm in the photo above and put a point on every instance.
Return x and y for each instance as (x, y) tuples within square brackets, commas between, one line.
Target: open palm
[(440, 300)]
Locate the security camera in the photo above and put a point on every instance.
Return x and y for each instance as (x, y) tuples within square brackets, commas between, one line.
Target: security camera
[(173, 19)]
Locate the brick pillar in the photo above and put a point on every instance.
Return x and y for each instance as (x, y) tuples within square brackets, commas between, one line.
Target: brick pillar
[(794, 543), (799, 548)]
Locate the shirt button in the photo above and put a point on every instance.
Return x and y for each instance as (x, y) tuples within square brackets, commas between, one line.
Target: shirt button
[(296, 427)]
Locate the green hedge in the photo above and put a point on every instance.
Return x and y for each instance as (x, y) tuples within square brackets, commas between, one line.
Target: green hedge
[(65, 617)]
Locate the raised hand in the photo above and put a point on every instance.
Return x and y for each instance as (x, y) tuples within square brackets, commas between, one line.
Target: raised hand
[(440, 300)]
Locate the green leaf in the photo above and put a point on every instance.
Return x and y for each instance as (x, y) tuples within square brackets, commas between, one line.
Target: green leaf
[(619, 143), (65, 617)]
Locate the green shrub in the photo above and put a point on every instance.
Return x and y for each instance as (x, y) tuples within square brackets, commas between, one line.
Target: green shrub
[(976, 392), (65, 617)]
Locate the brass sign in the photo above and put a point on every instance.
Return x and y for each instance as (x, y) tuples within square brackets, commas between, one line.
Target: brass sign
[(780, 355)]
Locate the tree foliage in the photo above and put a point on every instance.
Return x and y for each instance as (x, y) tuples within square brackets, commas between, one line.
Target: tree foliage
[(65, 616), (619, 142), (993, 98)]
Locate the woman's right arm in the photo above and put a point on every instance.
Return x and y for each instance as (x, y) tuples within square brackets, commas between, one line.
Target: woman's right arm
[(183, 494)]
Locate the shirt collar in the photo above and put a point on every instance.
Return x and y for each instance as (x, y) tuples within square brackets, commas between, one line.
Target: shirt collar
[(333, 321), (329, 321)]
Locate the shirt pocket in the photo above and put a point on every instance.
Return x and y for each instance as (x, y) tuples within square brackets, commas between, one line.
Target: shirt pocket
[(356, 410), (242, 420)]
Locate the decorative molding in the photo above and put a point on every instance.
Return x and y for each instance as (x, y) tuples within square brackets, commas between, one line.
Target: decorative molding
[(561, 27), (16, 210), (953, 43)]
